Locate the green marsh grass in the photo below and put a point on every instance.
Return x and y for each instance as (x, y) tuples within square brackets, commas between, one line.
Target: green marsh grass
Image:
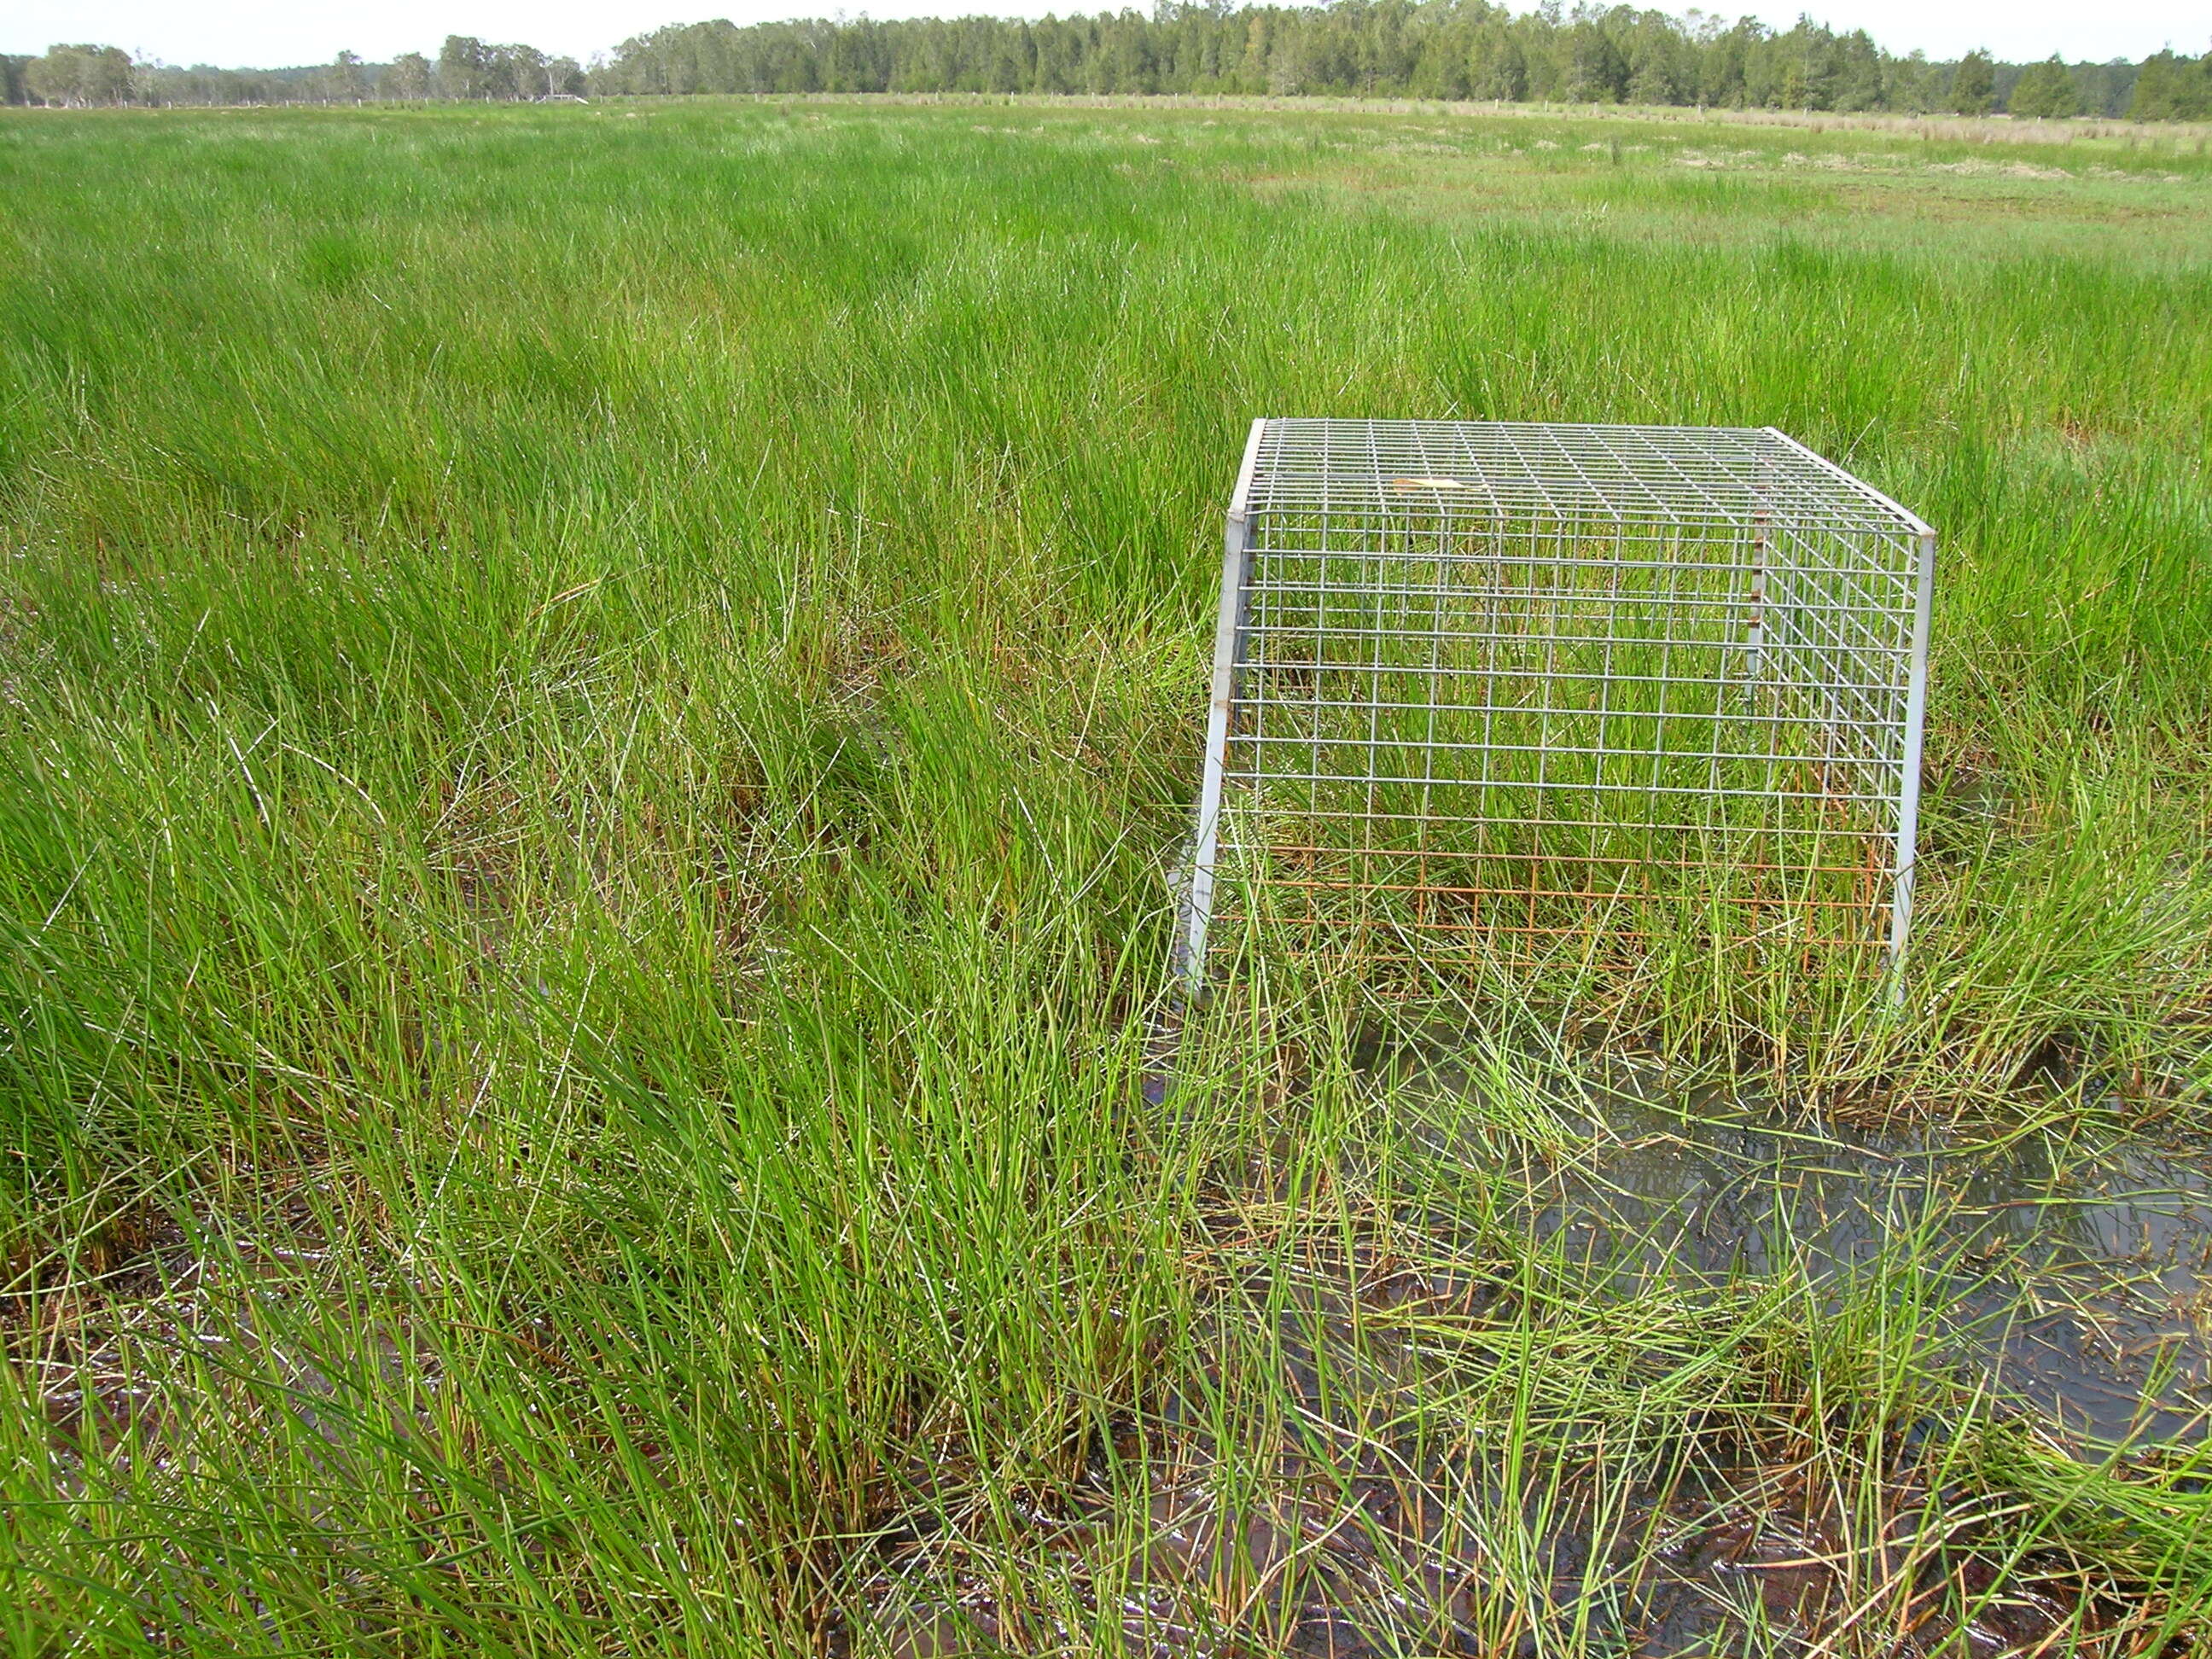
[(597, 703)]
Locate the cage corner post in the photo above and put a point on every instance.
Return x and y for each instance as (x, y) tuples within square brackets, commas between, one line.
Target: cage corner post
[(1908, 813), (1189, 965)]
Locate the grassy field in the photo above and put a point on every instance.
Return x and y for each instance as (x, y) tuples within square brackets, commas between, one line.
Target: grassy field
[(596, 706)]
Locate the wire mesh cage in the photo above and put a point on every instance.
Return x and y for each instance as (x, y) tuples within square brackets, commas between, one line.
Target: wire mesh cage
[(1487, 691)]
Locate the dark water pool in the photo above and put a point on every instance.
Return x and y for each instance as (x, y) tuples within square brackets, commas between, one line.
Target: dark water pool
[(2073, 1272)]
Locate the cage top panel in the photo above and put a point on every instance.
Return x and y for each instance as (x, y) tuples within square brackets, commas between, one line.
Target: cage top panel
[(1416, 472)]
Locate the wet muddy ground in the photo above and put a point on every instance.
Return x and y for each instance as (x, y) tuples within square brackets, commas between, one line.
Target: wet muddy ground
[(1317, 1489), (1333, 1536), (2068, 1280), (2073, 1276)]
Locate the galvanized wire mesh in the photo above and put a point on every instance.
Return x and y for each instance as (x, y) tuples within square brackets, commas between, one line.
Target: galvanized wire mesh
[(1482, 688)]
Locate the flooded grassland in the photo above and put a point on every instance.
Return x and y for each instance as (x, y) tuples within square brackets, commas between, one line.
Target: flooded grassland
[(595, 703)]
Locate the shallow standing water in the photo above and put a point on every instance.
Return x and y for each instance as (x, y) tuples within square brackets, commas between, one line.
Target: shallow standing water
[(2073, 1276), (2070, 1277)]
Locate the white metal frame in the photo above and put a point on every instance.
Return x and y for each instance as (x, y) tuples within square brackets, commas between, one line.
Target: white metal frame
[(1400, 600)]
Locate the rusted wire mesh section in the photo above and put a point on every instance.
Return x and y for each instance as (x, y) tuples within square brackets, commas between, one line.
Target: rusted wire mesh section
[(1487, 691)]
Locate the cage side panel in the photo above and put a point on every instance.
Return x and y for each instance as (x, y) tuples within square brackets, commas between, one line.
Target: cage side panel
[(1452, 735)]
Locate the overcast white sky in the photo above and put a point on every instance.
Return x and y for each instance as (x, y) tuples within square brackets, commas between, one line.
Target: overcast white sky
[(269, 33)]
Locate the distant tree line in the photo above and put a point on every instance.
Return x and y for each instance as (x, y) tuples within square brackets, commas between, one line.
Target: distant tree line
[(1445, 49), (465, 68)]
